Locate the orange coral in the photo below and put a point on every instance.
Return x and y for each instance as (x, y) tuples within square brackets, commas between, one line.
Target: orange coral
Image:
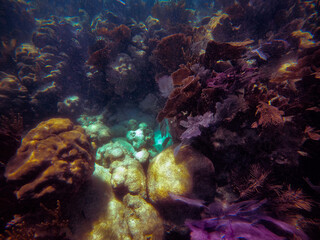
[(102, 51), (101, 57), (118, 34), (180, 98), (268, 116), (171, 51), (54, 159), (179, 75), (223, 51)]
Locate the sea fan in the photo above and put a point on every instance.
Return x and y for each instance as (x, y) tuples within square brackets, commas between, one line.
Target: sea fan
[(165, 84), (241, 221), (230, 107), (194, 123)]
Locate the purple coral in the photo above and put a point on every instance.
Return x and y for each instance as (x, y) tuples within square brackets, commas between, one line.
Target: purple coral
[(240, 221), (165, 84), (233, 78), (194, 123)]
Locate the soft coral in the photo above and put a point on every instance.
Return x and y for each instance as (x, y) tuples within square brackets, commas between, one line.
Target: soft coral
[(241, 220)]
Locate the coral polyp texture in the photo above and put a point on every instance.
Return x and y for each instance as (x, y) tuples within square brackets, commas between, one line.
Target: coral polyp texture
[(54, 159)]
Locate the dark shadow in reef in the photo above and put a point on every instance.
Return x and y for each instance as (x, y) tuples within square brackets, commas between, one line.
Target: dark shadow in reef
[(87, 206)]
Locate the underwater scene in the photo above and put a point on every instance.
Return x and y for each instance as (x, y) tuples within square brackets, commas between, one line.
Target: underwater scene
[(159, 120)]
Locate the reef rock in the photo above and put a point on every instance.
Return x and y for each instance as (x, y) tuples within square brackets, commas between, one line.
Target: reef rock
[(54, 159), (188, 174)]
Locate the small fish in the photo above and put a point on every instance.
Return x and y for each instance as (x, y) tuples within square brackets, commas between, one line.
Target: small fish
[(316, 188), (122, 2), (260, 54), (190, 201), (164, 127), (83, 215), (177, 149), (165, 142)]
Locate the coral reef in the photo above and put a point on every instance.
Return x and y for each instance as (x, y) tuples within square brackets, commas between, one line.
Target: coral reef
[(107, 217), (10, 135), (95, 128), (17, 26), (128, 176), (14, 96), (181, 98), (133, 141), (43, 63), (121, 74), (171, 13), (54, 159), (223, 51), (232, 84), (141, 137), (171, 51)]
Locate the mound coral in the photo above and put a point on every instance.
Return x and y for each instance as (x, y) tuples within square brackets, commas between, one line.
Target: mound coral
[(53, 160)]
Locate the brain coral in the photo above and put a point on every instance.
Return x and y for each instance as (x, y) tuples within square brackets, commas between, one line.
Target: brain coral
[(54, 159)]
